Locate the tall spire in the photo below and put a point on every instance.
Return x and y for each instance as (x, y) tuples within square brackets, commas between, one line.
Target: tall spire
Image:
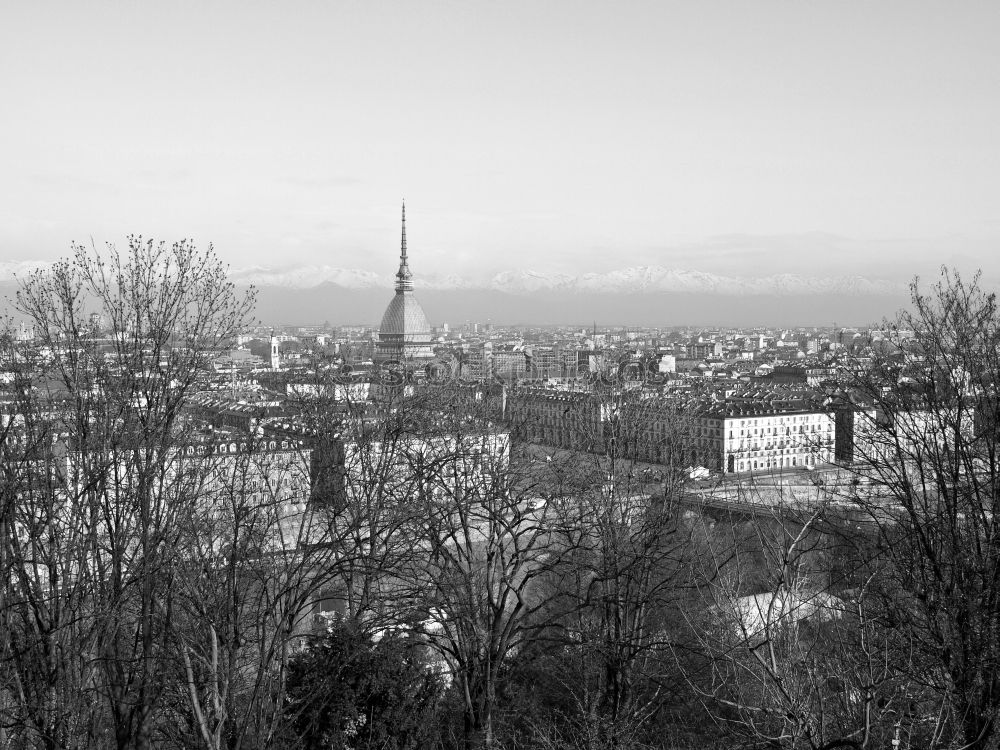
[(404, 279)]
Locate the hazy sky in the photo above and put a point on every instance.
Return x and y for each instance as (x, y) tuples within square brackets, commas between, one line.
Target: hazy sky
[(746, 137)]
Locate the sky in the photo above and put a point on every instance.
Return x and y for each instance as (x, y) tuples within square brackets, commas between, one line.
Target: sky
[(743, 138)]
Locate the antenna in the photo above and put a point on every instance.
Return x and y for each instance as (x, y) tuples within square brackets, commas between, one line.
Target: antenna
[(404, 279)]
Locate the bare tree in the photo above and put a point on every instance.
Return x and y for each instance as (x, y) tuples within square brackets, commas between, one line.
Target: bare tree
[(931, 482), (258, 550), (788, 663), (484, 535), (45, 606), (873, 619), (637, 561), (117, 400)]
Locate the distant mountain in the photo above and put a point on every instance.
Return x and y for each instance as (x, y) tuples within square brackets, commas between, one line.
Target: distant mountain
[(337, 304), (644, 295), (11, 269), (647, 279), (641, 279), (305, 277)]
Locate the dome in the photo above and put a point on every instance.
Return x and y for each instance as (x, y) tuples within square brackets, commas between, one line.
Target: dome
[(404, 333), (405, 317)]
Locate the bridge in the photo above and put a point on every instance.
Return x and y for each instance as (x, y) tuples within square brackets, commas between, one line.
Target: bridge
[(790, 497)]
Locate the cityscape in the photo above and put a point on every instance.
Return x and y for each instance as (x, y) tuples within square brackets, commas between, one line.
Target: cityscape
[(663, 412)]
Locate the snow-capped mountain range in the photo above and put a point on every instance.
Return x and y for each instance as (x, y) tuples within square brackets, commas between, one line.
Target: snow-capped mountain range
[(634, 280), (19, 268), (638, 279)]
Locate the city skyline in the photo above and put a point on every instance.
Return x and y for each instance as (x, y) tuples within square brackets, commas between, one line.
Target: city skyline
[(478, 375), (737, 140)]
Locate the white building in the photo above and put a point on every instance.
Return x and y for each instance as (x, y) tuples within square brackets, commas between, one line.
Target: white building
[(757, 438)]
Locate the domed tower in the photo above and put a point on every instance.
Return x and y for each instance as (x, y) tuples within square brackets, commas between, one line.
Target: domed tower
[(405, 334)]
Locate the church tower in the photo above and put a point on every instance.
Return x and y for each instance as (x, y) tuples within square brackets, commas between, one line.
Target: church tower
[(275, 356), (405, 334)]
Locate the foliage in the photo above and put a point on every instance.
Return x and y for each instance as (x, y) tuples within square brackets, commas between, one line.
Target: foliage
[(348, 689)]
